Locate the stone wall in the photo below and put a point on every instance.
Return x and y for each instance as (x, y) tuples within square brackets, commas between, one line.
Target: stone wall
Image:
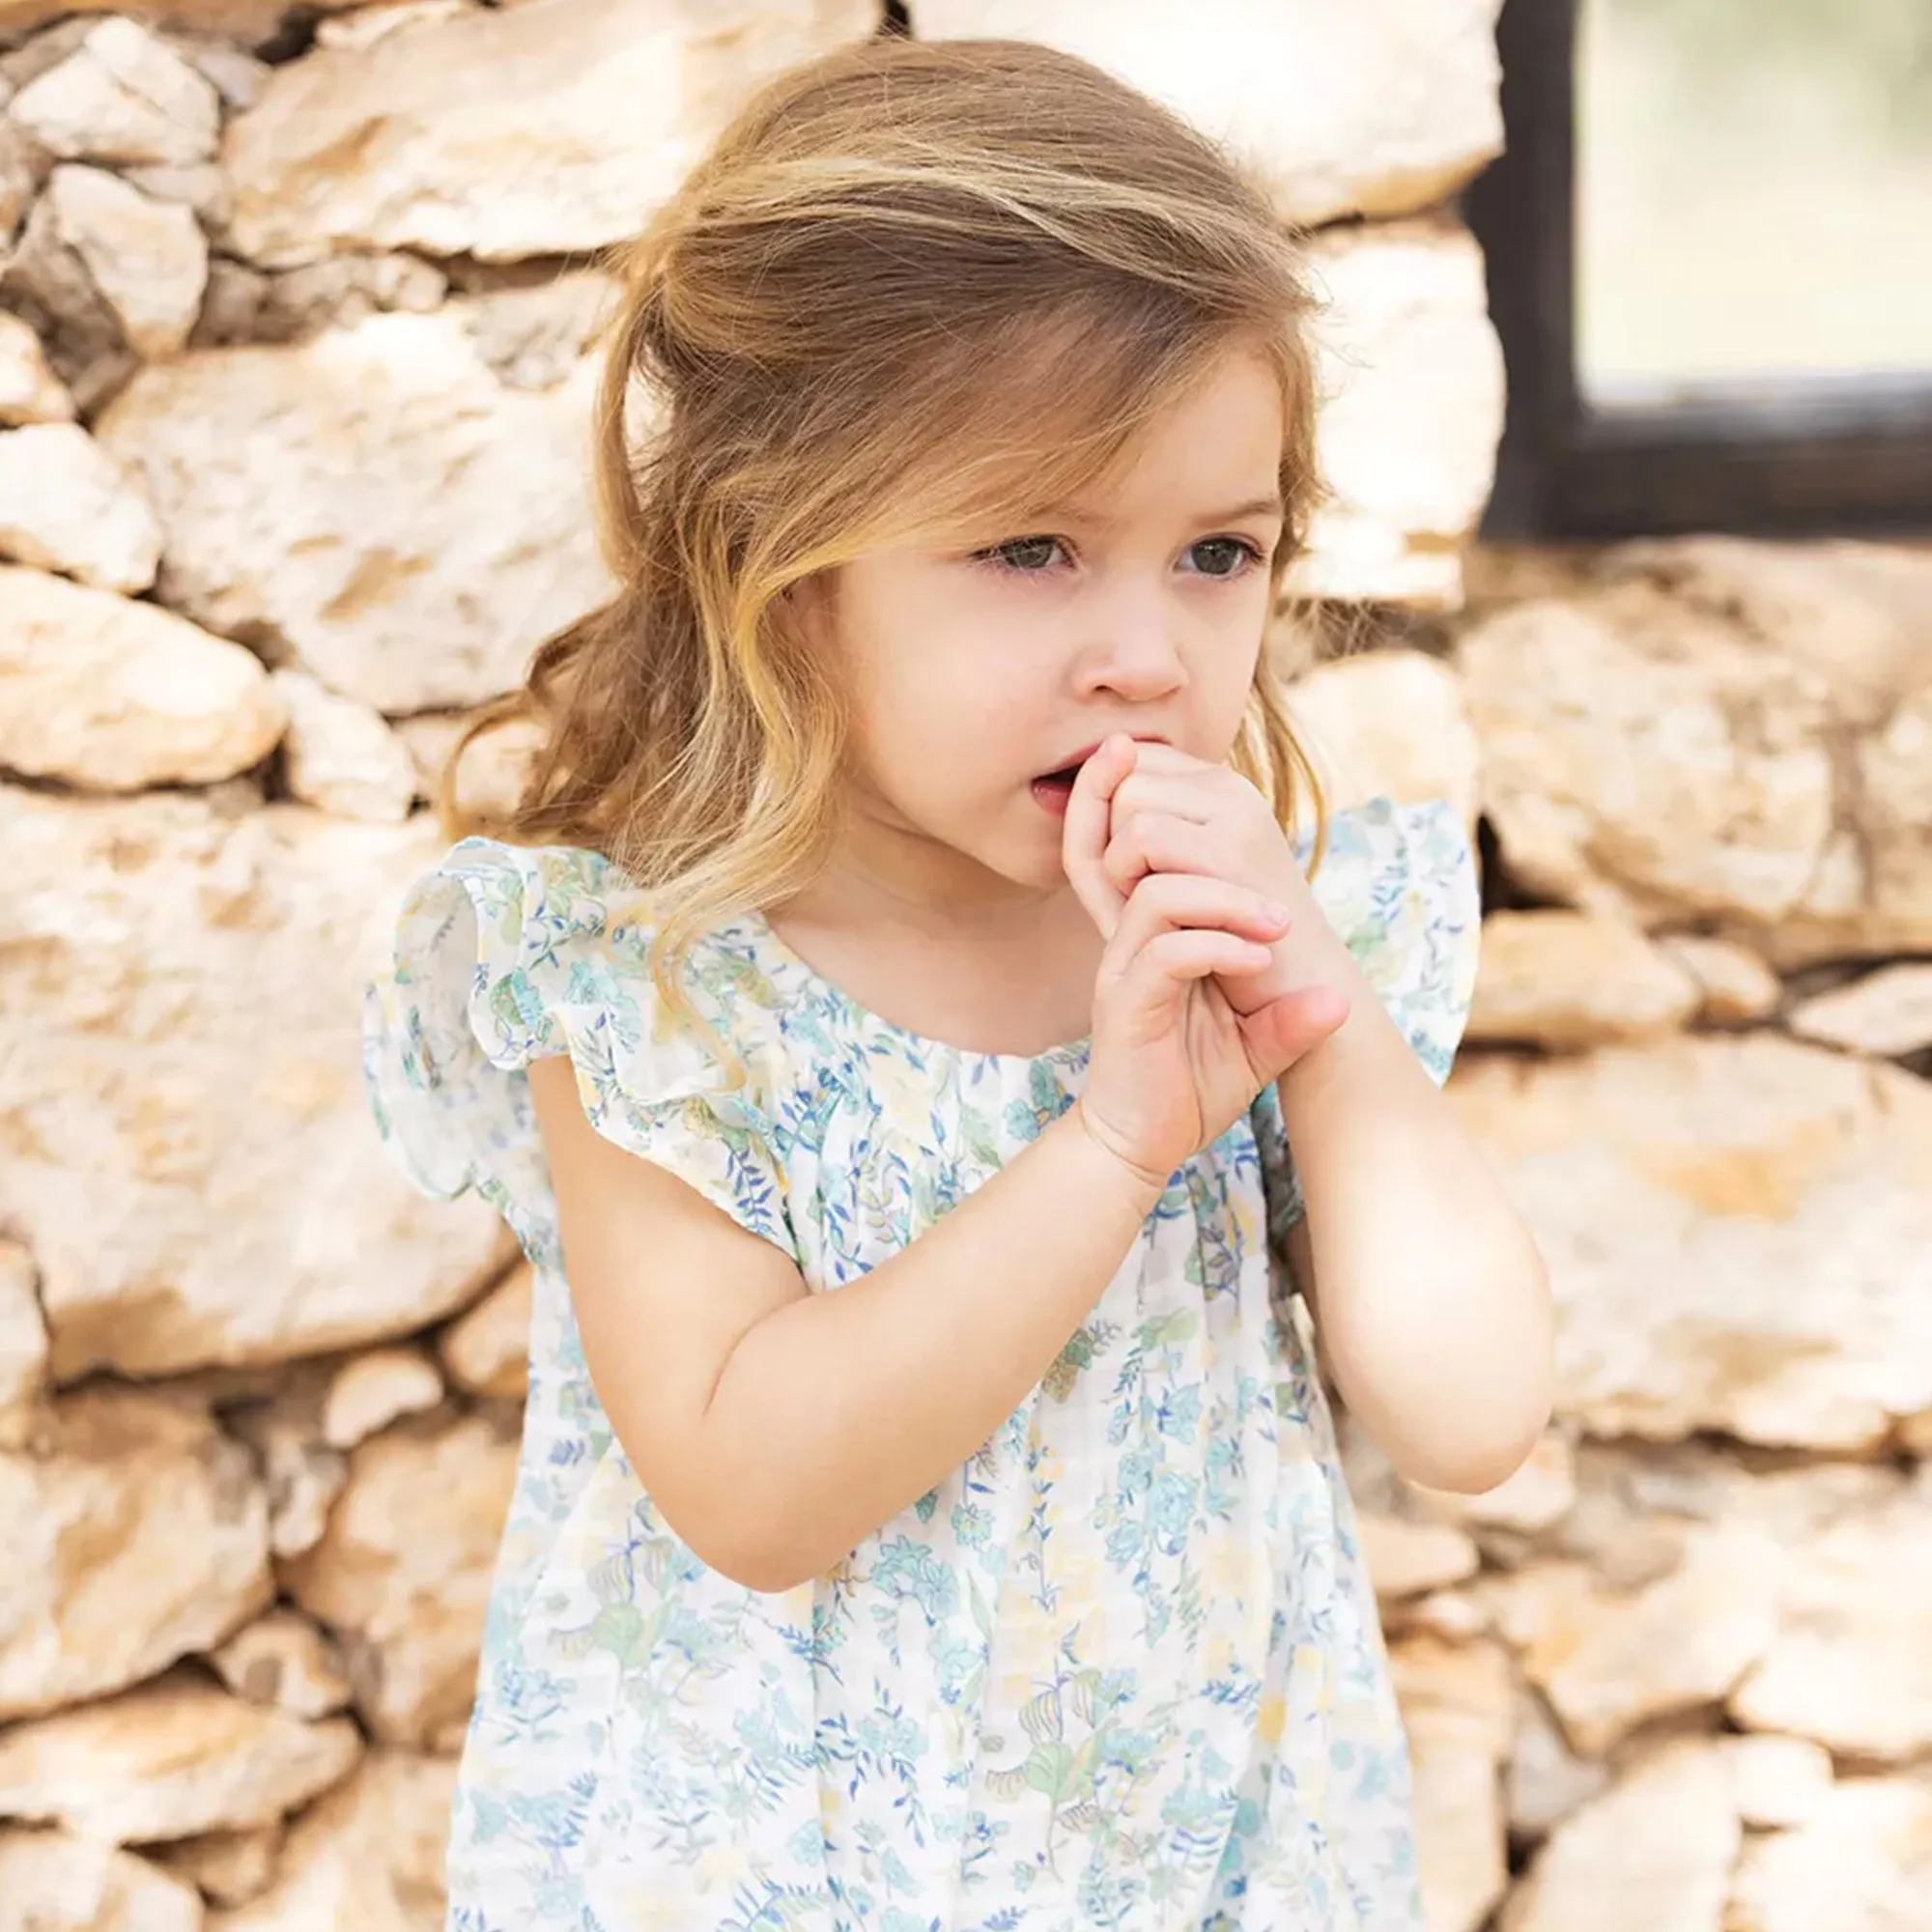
[(296, 343)]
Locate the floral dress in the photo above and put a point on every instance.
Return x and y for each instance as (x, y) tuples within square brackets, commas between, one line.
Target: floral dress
[(1122, 1670)]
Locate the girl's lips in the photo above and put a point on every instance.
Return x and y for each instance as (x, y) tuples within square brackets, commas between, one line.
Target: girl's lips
[(1052, 789)]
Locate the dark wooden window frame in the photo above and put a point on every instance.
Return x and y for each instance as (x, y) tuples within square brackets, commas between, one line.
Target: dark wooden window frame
[(1834, 455)]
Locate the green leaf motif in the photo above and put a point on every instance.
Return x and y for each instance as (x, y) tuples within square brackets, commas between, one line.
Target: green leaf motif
[(1049, 1768)]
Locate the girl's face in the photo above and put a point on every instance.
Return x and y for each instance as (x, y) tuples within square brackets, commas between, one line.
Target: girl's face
[(980, 673)]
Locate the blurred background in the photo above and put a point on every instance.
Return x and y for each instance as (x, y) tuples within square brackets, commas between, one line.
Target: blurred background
[(1627, 425)]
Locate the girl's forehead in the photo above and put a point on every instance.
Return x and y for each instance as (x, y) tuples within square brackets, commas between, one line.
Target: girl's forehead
[(1221, 445)]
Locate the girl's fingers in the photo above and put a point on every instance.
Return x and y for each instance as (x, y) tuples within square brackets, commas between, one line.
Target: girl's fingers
[(1157, 842), (1177, 794), (1083, 839), (1158, 758), (1162, 969), (1172, 901)]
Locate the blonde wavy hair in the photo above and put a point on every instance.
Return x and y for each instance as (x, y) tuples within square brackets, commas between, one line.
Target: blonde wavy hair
[(911, 286)]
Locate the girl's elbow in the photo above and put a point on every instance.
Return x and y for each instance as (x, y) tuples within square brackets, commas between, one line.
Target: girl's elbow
[(767, 1573), (1484, 1439), (1477, 1463), (740, 1512), (761, 1549)]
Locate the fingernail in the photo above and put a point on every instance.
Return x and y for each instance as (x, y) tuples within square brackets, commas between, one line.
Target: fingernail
[(1278, 914)]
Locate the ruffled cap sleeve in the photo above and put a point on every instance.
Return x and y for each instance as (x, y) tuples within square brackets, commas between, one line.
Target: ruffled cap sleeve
[(505, 954)]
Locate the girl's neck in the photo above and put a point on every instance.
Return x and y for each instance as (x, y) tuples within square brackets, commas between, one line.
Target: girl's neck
[(936, 945)]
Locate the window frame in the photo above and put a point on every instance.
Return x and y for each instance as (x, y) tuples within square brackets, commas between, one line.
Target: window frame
[(1836, 455)]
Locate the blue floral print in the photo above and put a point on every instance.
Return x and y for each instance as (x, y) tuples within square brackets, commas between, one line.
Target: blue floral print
[(1121, 1670)]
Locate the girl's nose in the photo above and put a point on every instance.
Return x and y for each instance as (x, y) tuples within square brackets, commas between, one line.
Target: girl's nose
[(1135, 655)]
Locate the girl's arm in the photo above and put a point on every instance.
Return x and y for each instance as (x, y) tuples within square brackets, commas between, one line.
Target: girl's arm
[(777, 1429), (1431, 1301), (1430, 1297)]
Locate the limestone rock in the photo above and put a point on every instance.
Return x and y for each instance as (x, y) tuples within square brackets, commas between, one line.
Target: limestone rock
[(341, 756), (487, 1351), (30, 392), (26, 58), (1849, 1665), (137, 1534), (23, 1348), (409, 532), (1862, 1864), (172, 1759), (114, 695), (1655, 1851), (1553, 686), (1735, 986), (1408, 1558), (1387, 723), (50, 287), (227, 1867), (194, 1168), (1610, 1661), (364, 27), (530, 336), (282, 1659), (368, 1856), (1565, 980), (1886, 1013), (200, 185), (1457, 1709), (371, 1391), (1721, 733), (304, 1475), (1452, 1616), (23, 166), (1780, 1782), (55, 1882), (255, 22), (65, 506), (1730, 1170), (123, 96), (1640, 1506), (402, 1570), (1410, 378), (147, 258), (246, 306), (1545, 1780), (236, 74), (1502, 574), (550, 128), (492, 772), (1379, 107)]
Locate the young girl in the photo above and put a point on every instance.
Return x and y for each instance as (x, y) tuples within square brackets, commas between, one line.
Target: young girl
[(901, 908)]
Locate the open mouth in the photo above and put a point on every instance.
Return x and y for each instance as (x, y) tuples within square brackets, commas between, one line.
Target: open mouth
[(1052, 789)]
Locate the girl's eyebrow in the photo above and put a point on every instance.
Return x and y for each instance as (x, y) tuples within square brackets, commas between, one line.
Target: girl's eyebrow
[(1270, 505)]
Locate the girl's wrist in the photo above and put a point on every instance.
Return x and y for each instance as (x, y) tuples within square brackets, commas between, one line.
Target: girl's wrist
[(1120, 1173)]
